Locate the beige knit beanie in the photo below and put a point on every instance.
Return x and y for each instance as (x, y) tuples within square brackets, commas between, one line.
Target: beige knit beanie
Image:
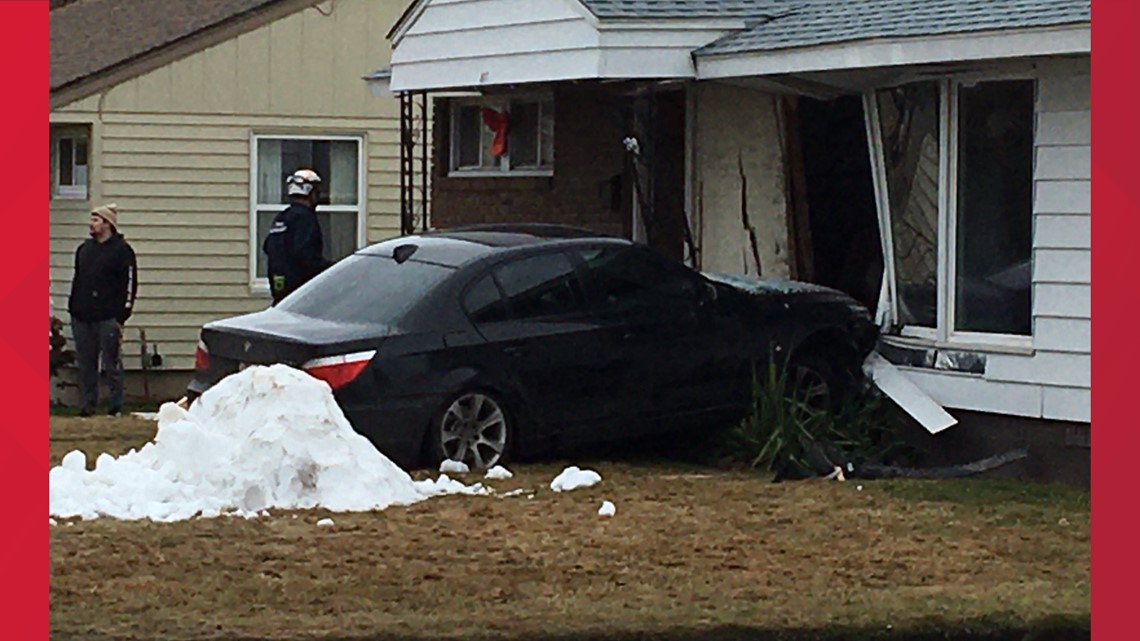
[(109, 213)]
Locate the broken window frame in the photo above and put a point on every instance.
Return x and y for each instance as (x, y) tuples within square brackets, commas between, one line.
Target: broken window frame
[(887, 312), (543, 136)]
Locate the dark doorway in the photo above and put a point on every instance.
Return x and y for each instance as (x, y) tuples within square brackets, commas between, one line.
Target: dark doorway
[(846, 251)]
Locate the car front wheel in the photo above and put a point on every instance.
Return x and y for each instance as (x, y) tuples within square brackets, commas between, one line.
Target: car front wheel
[(474, 429)]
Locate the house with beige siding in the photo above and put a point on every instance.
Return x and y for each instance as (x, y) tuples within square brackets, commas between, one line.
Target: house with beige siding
[(931, 159), (189, 115)]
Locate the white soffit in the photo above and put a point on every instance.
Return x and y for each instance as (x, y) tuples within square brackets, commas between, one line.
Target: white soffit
[(452, 44)]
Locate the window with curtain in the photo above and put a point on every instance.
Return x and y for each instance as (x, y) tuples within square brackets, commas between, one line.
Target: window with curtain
[(971, 221), (338, 162), (502, 136)]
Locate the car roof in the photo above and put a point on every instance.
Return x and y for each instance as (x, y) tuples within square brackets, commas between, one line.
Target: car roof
[(457, 246)]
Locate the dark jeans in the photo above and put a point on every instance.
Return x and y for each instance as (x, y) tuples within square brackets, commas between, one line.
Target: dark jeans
[(92, 340)]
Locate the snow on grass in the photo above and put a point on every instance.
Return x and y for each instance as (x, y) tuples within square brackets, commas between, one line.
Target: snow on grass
[(453, 467), (498, 473), (264, 438), (607, 509), (573, 478)]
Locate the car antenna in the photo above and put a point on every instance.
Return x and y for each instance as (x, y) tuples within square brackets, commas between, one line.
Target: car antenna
[(404, 252)]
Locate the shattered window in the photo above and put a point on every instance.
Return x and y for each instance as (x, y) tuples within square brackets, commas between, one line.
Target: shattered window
[(995, 208), (909, 119)]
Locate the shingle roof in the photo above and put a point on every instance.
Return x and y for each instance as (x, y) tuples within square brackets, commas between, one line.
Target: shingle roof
[(622, 9), (818, 23), (90, 36)]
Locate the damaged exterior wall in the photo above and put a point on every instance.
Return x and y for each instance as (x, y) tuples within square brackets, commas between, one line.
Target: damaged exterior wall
[(1052, 380), (739, 211)]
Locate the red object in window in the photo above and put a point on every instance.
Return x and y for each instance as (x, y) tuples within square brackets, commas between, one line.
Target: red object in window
[(498, 122)]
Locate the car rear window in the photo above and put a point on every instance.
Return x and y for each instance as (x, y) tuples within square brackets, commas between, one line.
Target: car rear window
[(365, 289)]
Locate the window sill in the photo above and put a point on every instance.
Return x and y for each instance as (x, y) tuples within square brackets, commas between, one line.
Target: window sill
[(517, 173), (70, 198), (1013, 347)]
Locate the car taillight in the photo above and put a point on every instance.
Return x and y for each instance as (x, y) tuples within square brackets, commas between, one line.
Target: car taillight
[(339, 371), (201, 357)]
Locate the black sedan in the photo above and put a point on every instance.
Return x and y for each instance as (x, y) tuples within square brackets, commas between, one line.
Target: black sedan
[(477, 344)]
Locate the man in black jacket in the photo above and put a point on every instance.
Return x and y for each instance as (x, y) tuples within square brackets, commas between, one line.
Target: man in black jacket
[(102, 298), (294, 245)]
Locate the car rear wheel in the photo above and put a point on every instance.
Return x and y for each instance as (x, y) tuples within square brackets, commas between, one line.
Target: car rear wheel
[(474, 429)]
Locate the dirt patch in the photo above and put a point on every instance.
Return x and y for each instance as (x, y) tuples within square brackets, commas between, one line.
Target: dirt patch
[(691, 553)]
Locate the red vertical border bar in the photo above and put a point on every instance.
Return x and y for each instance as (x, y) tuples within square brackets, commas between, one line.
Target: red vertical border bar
[(23, 283), (1115, 351)]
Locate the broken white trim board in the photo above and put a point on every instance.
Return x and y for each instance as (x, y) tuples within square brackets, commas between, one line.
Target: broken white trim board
[(906, 394)]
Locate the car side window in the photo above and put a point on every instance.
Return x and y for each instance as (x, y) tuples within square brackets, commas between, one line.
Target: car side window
[(484, 303), (629, 279), (541, 286)]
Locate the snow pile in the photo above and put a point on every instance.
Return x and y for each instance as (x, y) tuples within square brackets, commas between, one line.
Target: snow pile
[(454, 467), (498, 473), (573, 478), (607, 509), (266, 437)]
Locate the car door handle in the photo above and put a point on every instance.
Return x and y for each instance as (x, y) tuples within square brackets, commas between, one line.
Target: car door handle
[(514, 350)]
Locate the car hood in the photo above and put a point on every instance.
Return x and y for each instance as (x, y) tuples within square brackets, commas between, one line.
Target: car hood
[(753, 285)]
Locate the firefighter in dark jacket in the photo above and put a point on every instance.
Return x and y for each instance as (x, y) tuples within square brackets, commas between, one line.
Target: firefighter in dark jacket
[(103, 293), (294, 245)]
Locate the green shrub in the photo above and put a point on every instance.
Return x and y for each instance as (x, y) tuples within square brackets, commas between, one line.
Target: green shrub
[(781, 434)]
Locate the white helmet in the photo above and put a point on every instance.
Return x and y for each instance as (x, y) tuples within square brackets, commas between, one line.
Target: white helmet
[(302, 182)]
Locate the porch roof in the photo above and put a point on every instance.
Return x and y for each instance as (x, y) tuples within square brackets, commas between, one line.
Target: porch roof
[(814, 22), (558, 40)]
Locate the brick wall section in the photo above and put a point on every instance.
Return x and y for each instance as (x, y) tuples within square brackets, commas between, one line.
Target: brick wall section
[(588, 167)]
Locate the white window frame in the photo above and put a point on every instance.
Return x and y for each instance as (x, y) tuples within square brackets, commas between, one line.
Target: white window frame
[(944, 334), (75, 133), (260, 285), (497, 103)]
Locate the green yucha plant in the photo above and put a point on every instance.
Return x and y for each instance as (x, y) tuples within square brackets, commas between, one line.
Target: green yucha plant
[(783, 434)]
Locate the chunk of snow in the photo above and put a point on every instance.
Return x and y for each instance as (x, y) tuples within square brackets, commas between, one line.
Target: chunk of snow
[(514, 492), (263, 438), (498, 473), (52, 522), (325, 523), (607, 509), (454, 467), (573, 478)]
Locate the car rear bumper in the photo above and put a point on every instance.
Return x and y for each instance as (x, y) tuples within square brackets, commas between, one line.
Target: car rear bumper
[(397, 426)]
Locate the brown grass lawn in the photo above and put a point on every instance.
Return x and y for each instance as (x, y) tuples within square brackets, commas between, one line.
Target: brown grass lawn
[(693, 553)]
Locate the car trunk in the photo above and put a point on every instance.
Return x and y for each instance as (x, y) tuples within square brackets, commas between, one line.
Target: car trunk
[(273, 336)]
